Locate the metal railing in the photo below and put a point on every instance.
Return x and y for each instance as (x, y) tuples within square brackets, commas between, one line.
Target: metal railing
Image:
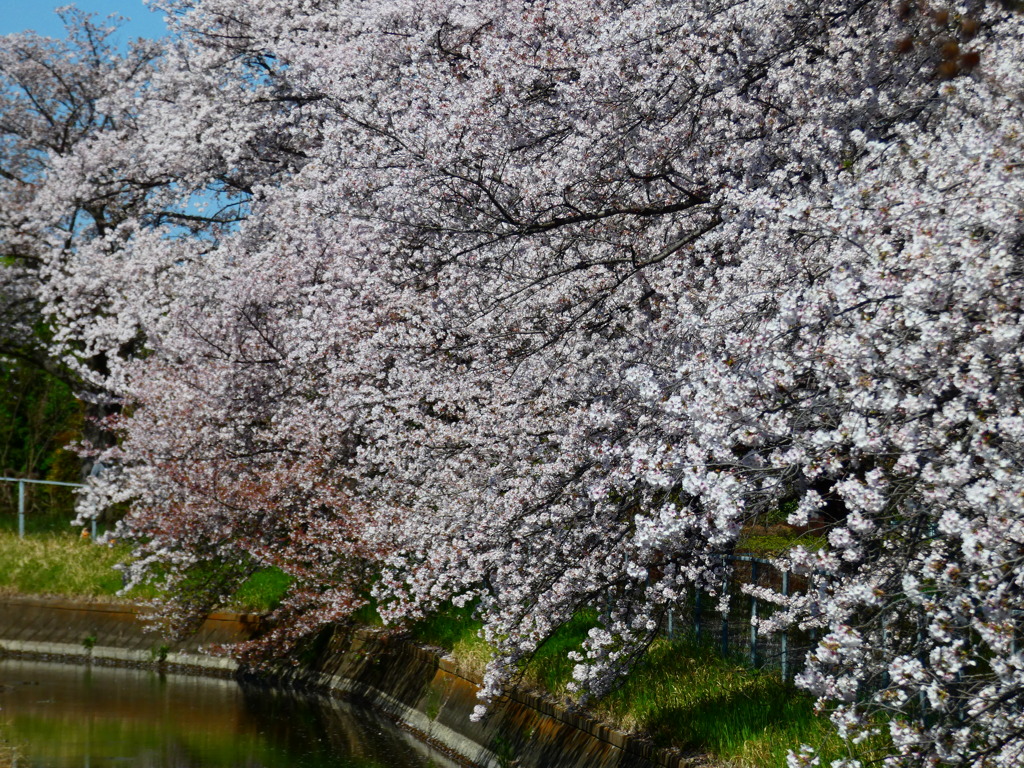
[(735, 633), (21, 481)]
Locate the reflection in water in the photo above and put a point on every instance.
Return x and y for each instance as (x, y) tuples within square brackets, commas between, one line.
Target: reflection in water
[(54, 716)]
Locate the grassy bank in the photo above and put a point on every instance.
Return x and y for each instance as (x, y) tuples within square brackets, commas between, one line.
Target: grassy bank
[(681, 694), (55, 560), (58, 564)]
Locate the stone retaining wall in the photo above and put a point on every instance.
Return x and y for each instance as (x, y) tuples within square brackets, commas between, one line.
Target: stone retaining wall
[(416, 688)]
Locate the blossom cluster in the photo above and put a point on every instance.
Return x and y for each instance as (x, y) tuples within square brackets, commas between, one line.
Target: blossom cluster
[(536, 304)]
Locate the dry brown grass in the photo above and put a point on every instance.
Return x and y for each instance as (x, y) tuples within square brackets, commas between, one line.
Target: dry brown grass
[(8, 751)]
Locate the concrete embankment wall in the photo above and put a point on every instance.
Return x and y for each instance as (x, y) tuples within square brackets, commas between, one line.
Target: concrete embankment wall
[(112, 633), (416, 688)]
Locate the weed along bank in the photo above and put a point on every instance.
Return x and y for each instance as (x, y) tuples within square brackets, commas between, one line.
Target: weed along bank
[(417, 690)]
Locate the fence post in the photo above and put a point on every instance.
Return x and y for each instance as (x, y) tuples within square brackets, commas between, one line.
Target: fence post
[(671, 628), (725, 635), (21, 509), (785, 632), (22, 482), (696, 614), (885, 644), (753, 614)]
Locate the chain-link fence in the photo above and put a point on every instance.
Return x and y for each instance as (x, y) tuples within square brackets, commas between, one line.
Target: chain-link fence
[(735, 633)]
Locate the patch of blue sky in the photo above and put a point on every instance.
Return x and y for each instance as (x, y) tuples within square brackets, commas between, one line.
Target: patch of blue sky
[(41, 17), (206, 213), (139, 20)]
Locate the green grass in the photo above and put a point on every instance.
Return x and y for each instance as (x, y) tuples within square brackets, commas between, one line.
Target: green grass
[(773, 540), (261, 592), (455, 631), (54, 559), (550, 669), (447, 628), (368, 615), (58, 564), (681, 695), (692, 699)]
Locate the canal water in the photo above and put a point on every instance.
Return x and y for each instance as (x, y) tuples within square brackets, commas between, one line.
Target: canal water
[(60, 716)]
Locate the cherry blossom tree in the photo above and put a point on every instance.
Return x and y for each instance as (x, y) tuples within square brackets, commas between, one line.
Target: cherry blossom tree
[(52, 95), (84, 177), (537, 304)]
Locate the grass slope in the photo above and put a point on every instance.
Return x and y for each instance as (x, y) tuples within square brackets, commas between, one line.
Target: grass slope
[(58, 564), (681, 694), (56, 560)]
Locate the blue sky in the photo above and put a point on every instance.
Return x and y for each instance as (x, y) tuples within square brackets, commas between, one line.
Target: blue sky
[(38, 15)]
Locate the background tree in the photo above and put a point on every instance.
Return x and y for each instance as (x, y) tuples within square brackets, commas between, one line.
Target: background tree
[(53, 98)]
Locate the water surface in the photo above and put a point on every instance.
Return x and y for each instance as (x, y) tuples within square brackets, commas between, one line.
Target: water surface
[(59, 716)]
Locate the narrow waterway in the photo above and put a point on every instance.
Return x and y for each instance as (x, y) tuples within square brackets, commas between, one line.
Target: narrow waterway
[(59, 716)]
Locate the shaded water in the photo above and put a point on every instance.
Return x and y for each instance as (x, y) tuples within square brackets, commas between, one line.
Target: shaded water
[(57, 716)]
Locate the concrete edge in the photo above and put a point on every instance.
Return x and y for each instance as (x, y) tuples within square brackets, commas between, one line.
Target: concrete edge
[(547, 706), (193, 663), (417, 722), (99, 605), (448, 740)]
